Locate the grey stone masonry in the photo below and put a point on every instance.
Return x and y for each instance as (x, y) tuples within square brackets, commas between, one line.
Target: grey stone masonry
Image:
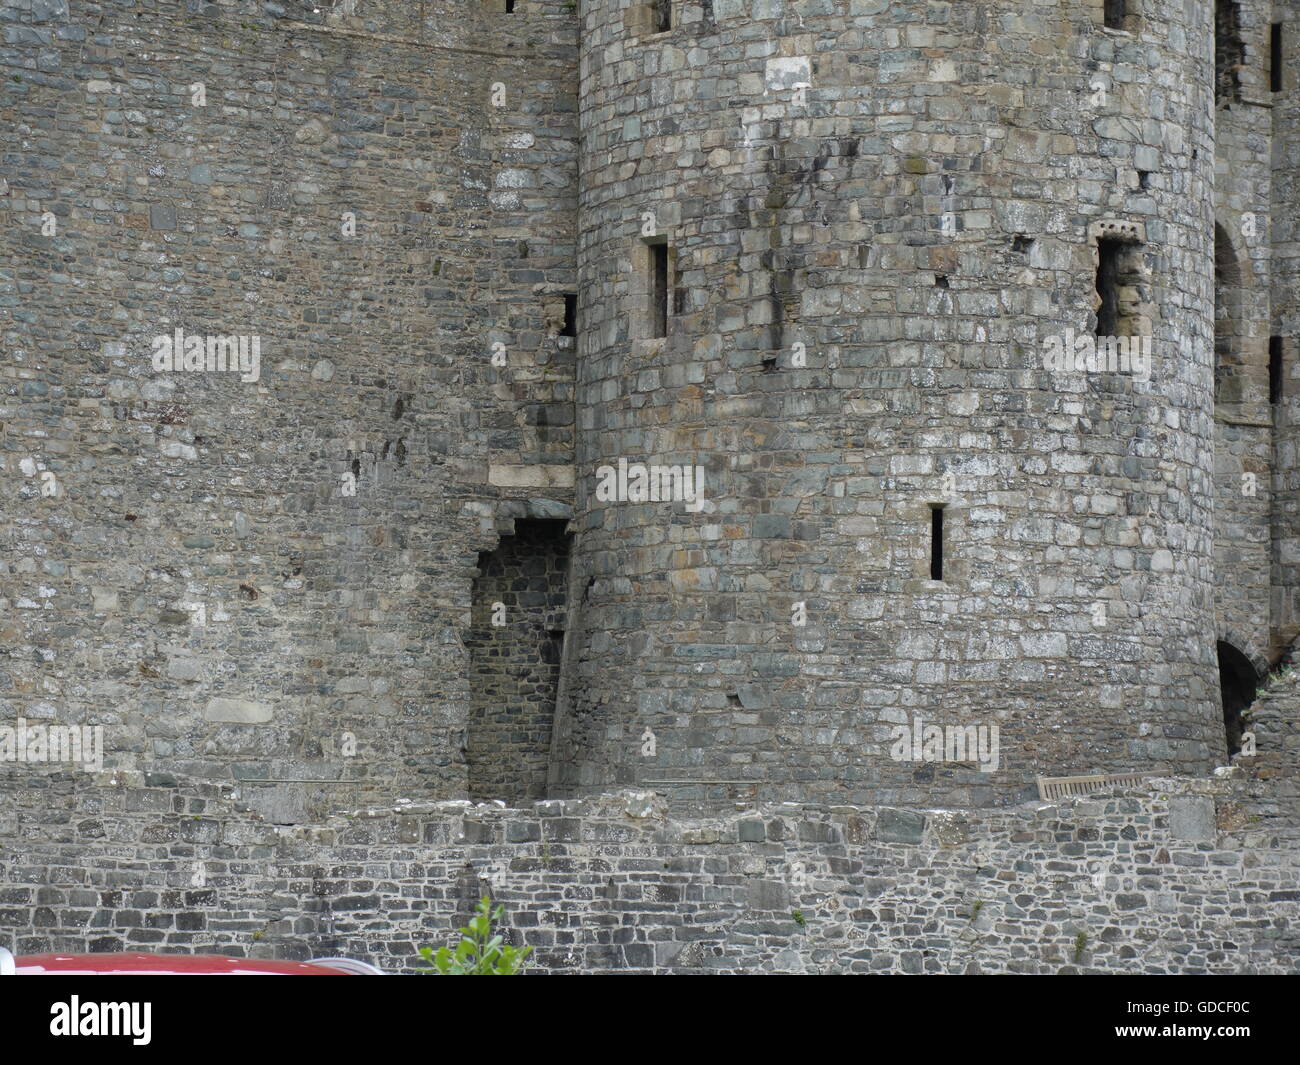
[(817, 250), (1176, 877), (751, 357)]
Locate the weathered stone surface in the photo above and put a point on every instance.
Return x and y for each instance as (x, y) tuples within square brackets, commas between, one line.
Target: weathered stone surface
[(237, 711), (504, 476), (1192, 818), (162, 216), (900, 826)]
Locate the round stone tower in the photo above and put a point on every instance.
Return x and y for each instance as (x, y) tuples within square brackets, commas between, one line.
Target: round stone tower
[(851, 258)]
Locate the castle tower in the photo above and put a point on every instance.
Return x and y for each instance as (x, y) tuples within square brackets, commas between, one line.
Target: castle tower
[(827, 252)]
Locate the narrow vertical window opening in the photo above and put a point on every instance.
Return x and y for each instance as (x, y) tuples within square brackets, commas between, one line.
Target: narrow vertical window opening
[(1275, 369), (1275, 57), (1230, 383), (570, 315), (1114, 13), (936, 543), (659, 290), (663, 15), (1108, 256), (510, 7)]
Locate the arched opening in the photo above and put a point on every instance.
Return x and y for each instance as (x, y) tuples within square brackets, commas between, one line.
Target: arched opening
[(1228, 378), (1238, 680)]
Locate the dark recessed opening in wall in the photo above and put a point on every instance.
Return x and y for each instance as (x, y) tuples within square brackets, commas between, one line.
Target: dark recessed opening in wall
[(663, 15), (1123, 287), (1229, 52), (1230, 381), (1275, 57), (515, 644), (570, 328), (1275, 369), (659, 289), (936, 542), (1238, 681), (1113, 13), (510, 7), (1144, 179), (1108, 260)]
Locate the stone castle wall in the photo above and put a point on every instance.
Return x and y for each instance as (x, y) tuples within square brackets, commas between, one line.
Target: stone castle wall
[(275, 595), (875, 215), (252, 579), (1177, 878)]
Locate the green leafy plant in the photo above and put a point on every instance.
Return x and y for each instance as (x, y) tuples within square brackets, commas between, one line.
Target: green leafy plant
[(479, 952), (1080, 942), (799, 918)]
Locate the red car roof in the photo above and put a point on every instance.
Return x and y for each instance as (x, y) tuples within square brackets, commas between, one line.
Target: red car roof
[(165, 964)]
